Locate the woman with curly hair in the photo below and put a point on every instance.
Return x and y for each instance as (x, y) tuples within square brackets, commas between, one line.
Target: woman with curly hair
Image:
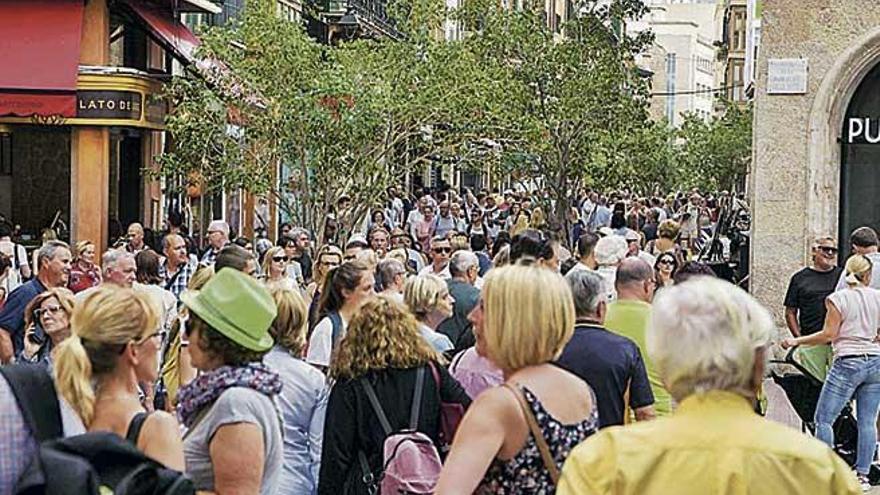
[(384, 350)]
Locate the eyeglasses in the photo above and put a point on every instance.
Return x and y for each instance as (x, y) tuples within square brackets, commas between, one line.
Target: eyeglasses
[(39, 312), (442, 250), (161, 334), (279, 259)]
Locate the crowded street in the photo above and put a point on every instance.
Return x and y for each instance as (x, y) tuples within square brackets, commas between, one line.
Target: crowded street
[(307, 247)]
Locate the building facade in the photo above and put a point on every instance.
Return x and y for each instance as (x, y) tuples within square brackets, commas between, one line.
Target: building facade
[(685, 54), (79, 117), (816, 134)]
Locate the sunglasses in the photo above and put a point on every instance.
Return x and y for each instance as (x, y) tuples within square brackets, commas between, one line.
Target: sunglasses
[(443, 250), (161, 334), (666, 262), (828, 250), (279, 259), (50, 310)]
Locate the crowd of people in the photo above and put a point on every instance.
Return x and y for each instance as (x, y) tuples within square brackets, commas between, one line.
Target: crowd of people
[(451, 344)]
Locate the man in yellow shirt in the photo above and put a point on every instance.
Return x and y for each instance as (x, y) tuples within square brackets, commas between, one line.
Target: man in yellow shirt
[(629, 316), (709, 340)]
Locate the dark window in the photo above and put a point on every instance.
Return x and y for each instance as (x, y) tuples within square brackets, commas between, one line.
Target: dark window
[(5, 154)]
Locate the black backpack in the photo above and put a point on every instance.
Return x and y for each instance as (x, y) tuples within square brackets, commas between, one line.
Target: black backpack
[(88, 464)]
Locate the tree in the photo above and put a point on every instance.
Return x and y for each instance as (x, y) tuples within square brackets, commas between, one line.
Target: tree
[(565, 103), (716, 154), (347, 120)]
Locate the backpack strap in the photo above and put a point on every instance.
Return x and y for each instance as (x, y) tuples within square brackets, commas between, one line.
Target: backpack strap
[(135, 427), (417, 399), (377, 407), (336, 321), (35, 393)]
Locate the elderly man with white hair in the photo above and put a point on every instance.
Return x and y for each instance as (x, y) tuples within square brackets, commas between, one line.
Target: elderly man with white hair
[(609, 252), (710, 341), (464, 266), (218, 238)]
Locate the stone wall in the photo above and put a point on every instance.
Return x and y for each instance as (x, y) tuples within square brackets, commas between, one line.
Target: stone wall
[(796, 162), (40, 175)]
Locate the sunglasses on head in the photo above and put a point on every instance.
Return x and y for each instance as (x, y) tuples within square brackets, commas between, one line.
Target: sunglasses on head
[(280, 259)]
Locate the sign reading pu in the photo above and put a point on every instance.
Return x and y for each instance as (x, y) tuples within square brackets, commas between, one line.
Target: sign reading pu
[(108, 105)]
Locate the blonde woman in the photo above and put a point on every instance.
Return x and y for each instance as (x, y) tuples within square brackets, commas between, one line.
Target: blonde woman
[(383, 348), (84, 274), (523, 322), (47, 324), (428, 298), (851, 323), (303, 398), (114, 346), (275, 268)]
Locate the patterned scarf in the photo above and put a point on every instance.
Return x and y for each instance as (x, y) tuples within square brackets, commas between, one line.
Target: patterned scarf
[(207, 388)]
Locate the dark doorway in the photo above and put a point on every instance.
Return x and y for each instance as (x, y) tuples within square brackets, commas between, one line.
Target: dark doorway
[(860, 161)]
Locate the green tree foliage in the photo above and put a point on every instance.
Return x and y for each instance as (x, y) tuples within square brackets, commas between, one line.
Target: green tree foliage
[(715, 155)]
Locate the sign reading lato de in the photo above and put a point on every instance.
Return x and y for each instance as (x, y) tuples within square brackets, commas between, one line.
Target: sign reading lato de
[(92, 104)]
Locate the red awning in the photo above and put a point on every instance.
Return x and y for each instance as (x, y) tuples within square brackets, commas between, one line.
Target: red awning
[(172, 34), (39, 56)]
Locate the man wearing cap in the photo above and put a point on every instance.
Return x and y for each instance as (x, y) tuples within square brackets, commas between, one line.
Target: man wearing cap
[(355, 244), (634, 247), (218, 237)]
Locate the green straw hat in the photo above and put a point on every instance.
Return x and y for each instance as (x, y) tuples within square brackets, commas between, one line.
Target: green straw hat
[(237, 306)]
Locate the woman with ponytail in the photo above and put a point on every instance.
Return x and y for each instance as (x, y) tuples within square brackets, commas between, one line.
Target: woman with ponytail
[(345, 289), (851, 326), (114, 346)]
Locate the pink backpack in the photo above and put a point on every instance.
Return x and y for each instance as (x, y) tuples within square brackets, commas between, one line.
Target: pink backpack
[(411, 463)]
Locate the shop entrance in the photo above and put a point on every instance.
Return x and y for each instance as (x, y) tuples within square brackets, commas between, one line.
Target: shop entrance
[(860, 161)]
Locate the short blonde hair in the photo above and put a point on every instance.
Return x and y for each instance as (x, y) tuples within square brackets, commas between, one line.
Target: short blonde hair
[(668, 229), (81, 247), (382, 335), (290, 325), (703, 336), (267, 258), (422, 294), (528, 315), (858, 269)]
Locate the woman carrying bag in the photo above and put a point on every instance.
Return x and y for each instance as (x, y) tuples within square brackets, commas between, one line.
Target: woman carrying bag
[(515, 438)]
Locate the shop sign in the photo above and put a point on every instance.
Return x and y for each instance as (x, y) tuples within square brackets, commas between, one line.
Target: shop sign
[(108, 105), (862, 130)]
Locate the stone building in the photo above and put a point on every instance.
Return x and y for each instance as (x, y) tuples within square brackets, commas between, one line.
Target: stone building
[(815, 129)]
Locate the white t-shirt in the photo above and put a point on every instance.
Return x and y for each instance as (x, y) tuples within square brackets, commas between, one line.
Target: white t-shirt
[(429, 270), (14, 279), (860, 319), (321, 342)]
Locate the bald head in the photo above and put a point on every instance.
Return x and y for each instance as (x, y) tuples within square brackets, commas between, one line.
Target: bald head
[(635, 280)]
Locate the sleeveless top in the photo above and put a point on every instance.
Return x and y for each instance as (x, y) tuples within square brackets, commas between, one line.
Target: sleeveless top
[(525, 472)]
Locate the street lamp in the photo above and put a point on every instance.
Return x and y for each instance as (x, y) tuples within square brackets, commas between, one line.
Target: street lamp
[(349, 24)]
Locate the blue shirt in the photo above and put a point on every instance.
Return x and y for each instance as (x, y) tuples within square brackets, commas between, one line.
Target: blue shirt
[(608, 363), (303, 402), (12, 314)]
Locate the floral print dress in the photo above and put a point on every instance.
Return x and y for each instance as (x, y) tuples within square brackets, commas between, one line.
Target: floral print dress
[(525, 472)]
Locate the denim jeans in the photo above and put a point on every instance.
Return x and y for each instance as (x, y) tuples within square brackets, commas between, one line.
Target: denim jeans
[(859, 376)]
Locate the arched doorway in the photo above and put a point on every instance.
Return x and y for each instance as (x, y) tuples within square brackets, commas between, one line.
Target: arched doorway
[(860, 160)]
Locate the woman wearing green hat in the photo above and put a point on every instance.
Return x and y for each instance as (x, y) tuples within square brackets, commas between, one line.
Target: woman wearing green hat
[(233, 443)]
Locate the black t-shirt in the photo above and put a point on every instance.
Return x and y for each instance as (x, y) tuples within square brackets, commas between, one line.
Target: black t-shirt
[(807, 291), (607, 361)]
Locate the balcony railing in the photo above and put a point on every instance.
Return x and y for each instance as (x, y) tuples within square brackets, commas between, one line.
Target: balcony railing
[(371, 13)]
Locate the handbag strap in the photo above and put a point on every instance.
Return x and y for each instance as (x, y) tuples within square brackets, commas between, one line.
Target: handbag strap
[(626, 408), (546, 456)]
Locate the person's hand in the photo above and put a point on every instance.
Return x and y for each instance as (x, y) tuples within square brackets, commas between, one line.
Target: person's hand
[(30, 348), (788, 343)]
